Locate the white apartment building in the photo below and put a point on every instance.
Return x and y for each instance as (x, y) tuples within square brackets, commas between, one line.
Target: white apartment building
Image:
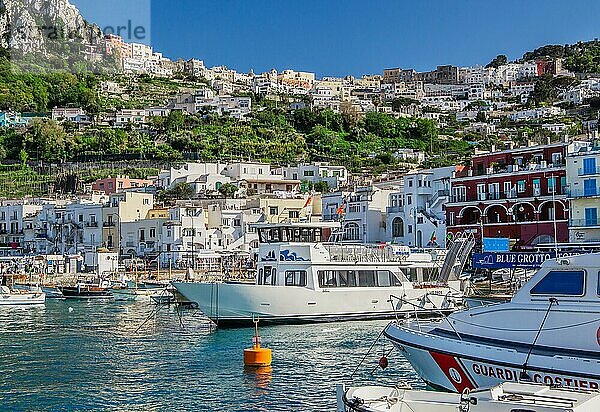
[(124, 117), (415, 215), (73, 115), (205, 100), (362, 213), (185, 238), (583, 182), (334, 176), (537, 113), (15, 218)]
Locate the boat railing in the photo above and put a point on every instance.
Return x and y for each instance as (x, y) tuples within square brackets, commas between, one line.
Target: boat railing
[(420, 309), (363, 253)]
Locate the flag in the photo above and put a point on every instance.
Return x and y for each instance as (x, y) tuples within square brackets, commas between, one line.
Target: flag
[(342, 209), (308, 203), (433, 237)]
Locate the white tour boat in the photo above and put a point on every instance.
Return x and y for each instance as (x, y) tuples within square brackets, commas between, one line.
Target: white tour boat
[(507, 397), (548, 333), (301, 278), (13, 297)]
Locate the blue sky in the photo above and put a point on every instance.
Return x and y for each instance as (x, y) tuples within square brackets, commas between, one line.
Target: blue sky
[(339, 37)]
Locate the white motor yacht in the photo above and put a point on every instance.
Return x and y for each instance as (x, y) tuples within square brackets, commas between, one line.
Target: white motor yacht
[(507, 397), (10, 297), (548, 333), (302, 278)]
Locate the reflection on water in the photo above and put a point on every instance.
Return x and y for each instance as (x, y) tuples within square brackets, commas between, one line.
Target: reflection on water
[(115, 355), (259, 377)]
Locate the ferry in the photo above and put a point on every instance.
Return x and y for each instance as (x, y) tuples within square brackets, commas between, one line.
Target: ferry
[(301, 278), (548, 333)]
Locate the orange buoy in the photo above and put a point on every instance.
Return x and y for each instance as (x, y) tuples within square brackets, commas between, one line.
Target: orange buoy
[(257, 356)]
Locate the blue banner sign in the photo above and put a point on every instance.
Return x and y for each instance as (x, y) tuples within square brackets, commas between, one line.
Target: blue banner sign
[(524, 260), (493, 244)]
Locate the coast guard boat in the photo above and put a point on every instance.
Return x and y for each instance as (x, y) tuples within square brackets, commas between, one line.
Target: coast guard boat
[(548, 333), (302, 278)]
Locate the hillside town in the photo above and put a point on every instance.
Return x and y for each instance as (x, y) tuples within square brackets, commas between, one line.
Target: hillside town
[(533, 195), (534, 184), (381, 206)]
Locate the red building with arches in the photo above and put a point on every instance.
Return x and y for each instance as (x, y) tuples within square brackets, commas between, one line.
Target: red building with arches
[(513, 194)]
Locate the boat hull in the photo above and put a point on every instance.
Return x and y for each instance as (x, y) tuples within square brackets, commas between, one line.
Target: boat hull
[(75, 292), (235, 305), (141, 295), (22, 299), (455, 365)]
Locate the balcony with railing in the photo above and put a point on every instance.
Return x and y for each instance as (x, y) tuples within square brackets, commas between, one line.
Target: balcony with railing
[(584, 222), (481, 197), (588, 171), (512, 168), (586, 192), (394, 209)]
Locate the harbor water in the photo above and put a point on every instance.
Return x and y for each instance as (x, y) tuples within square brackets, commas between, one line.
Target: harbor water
[(131, 356)]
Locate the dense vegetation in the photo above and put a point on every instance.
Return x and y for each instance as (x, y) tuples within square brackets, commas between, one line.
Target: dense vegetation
[(581, 57), (273, 135)]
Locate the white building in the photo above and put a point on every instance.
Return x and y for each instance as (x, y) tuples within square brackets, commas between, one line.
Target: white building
[(204, 100), (362, 213), (583, 182), (537, 113), (415, 215), (334, 176), (73, 115)]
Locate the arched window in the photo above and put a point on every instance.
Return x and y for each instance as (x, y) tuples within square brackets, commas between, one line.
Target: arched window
[(397, 227), (352, 232)]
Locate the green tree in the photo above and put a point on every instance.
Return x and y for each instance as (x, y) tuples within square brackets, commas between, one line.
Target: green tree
[(181, 191), (228, 190), (499, 60)]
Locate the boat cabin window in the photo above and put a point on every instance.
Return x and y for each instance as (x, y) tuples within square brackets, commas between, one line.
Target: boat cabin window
[(347, 278), (295, 278), (383, 278), (290, 234), (354, 278), (366, 278), (561, 282)]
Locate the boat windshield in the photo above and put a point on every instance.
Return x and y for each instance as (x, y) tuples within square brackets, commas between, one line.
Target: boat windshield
[(281, 234)]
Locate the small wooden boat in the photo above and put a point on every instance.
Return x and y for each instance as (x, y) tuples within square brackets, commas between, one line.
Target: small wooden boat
[(85, 291), (10, 297)]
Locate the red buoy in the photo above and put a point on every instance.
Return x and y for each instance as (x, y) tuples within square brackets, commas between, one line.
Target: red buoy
[(383, 362)]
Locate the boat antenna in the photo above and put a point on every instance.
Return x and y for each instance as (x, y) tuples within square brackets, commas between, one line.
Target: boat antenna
[(524, 376)]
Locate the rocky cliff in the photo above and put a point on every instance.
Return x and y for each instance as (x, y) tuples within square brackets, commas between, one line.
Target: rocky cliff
[(31, 26)]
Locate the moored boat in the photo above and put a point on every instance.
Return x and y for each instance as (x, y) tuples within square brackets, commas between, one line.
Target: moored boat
[(506, 397), (548, 333), (87, 290), (302, 278), (10, 297), (137, 291)]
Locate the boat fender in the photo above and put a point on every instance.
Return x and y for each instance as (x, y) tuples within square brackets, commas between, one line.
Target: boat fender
[(383, 362)]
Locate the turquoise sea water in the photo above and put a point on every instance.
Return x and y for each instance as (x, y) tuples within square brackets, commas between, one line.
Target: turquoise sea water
[(84, 356)]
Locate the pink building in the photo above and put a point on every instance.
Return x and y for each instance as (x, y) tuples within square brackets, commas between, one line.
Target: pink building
[(118, 184)]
